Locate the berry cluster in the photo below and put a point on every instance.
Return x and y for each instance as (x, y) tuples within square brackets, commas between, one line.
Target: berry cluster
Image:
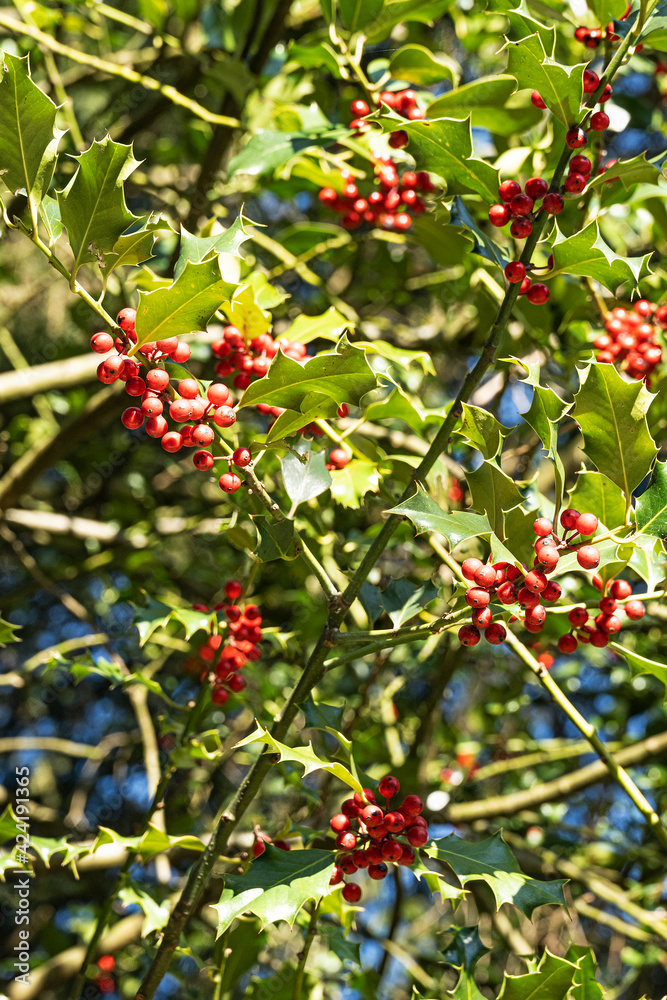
[(630, 338), (381, 836), (230, 644), (103, 979), (501, 580), (391, 206), (606, 624)]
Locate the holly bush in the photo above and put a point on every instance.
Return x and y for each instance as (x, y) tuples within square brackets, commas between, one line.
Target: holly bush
[(333, 661)]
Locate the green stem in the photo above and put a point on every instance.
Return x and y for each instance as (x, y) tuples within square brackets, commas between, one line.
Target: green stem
[(303, 957)]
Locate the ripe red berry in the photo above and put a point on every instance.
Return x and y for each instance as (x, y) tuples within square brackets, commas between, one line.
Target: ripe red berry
[(347, 840), (340, 823), (339, 458), (508, 190), (469, 635), (535, 581), (574, 183), (101, 342), (391, 850), (580, 164), (109, 370), (506, 593), (495, 634), (536, 187), (600, 121), (521, 204), (389, 786), (224, 416), (378, 871), (543, 527), (605, 95), (499, 215), (242, 458), (587, 524), (578, 617), (520, 229), (635, 610), (368, 797), (132, 418), (203, 460), (477, 598), (482, 617), (569, 518), (156, 427), (515, 272), (552, 592), (394, 821), (469, 567), (106, 963), (126, 319), (172, 441), (372, 816), (607, 605), (412, 805), (399, 139), (548, 558), (527, 599), (608, 623), (598, 638), (553, 203), (620, 589), (575, 138), (537, 100), (537, 294), (351, 891), (485, 576), (591, 81), (417, 835), (567, 643), (359, 109), (336, 875), (229, 482), (588, 557)]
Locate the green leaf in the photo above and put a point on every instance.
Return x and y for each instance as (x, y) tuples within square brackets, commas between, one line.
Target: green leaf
[(396, 11), (642, 665), (155, 615), (49, 213), (551, 981), (444, 146), (447, 244), (276, 886), (356, 14), (466, 989), (137, 247), (492, 103), (343, 375), (198, 248), (399, 406), (292, 421), (585, 986), (494, 493), (317, 56), (7, 632), (319, 715), (401, 356), (483, 245), (247, 307), (277, 539), (638, 170), (268, 149), (651, 509), (587, 254), (594, 493), (350, 485), (491, 861), (416, 64), (426, 515), (402, 600), (84, 666), (544, 415), (305, 756), (185, 306), (329, 325), (465, 948), (157, 914), (304, 480), (28, 134), (649, 560), (606, 10), (92, 206), (612, 415), (482, 431), (560, 87)]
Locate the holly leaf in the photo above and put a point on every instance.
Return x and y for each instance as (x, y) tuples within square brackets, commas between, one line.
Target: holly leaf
[(606, 10), (426, 515), (49, 213), (401, 356), (248, 307), (92, 206), (7, 632), (157, 914), (641, 664), (198, 248), (277, 539), (482, 431), (356, 14), (402, 600), (587, 254), (465, 949), (329, 325), (651, 508), (137, 247), (649, 560), (395, 11), (491, 103), (186, 305), (466, 989), (553, 979), (416, 64), (612, 416), (638, 170), (444, 146), (276, 886), (560, 87), (398, 405), (291, 421), (491, 861), (28, 134), (319, 715), (306, 479), (484, 245), (155, 615), (585, 986), (544, 415), (350, 485), (268, 149), (593, 492), (343, 375), (493, 492)]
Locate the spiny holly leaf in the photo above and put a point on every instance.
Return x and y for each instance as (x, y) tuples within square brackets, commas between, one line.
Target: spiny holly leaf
[(466, 989), (157, 914), (491, 861), (137, 247), (482, 431), (305, 479), (587, 254), (198, 248), (494, 493), (276, 886), (305, 756), (398, 405), (28, 134), (402, 600), (318, 715), (560, 87), (416, 64), (444, 146), (155, 615), (329, 325), (612, 415), (92, 206), (395, 11), (338, 941), (491, 103), (484, 245), (638, 170), (596, 494), (184, 306), (436, 881), (649, 560), (277, 539), (544, 415), (268, 149), (651, 509), (642, 665), (426, 515), (291, 421), (465, 949), (401, 356), (7, 631), (247, 312), (552, 980), (585, 986), (356, 14), (613, 558), (343, 375), (350, 485), (606, 10)]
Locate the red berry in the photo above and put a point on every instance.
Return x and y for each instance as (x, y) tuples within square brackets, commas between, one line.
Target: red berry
[(620, 589), (485, 576), (224, 416), (417, 836), (156, 427), (101, 342), (605, 95), (402, 221), (359, 109), (339, 823), (548, 558), (346, 840), (578, 617), (508, 190), (482, 617), (368, 797), (399, 139), (126, 319), (537, 100), (203, 460), (521, 204), (242, 457), (132, 417), (408, 856), (394, 821), (608, 623), (378, 871), (391, 850), (336, 875), (469, 635), (229, 482), (553, 203), (536, 615), (109, 370), (477, 598), (527, 599), (574, 183), (537, 294), (106, 963), (506, 593), (339, 458), (495, 634), (597, 582), (351, 891), (552, 592), (469, 567), (535, 581), (520, 229), (569, 518), (588, 557), (543, 527), (575, 138), (580, 164), (598, 638), (587, 524), (536, 187), (635, 610), (499, 215), (372, 816), (607, 605), (567, 643), (412, 805), (389, 786), (600, 121), (172, 440), (515, 272), (591, 81)]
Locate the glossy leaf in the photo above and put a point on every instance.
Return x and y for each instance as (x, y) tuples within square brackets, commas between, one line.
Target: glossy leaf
[(185, 306), (551, 981), (484, 245), (586, 253), (651, 508), (329, 325), (343, 375), (482, 431), (491, 103), (494, 493), (465, 948), (307, 479), (638, 170), (585, 986), (445, 243), (291, 421), (396, 11), (398, 405), (277, 539), (416, 64), (606, 10), (92, 206), (276, 886), (198, 248), (401, 356), (456, 526), (269, 149), (356, 14), (491, 861), (402, 600), (350, 485), (544, 415), (560, 87), (137, 247), (28, 134), (594, 493), (466, 988), (612, 415), (641, 664)]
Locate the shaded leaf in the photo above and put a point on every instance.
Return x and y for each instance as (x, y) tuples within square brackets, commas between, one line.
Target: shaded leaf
[(465, 948), (641, 664), (651, 508), (551, 981), (350, 485), (277, 539), (307, 479), (402, 600), (426, 515), (269, 149), (482, 431), (466, 988), (491, 103), (594, 493), (356, 14), (494, 493), (395, 11), (416, 64), (484, 245)]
